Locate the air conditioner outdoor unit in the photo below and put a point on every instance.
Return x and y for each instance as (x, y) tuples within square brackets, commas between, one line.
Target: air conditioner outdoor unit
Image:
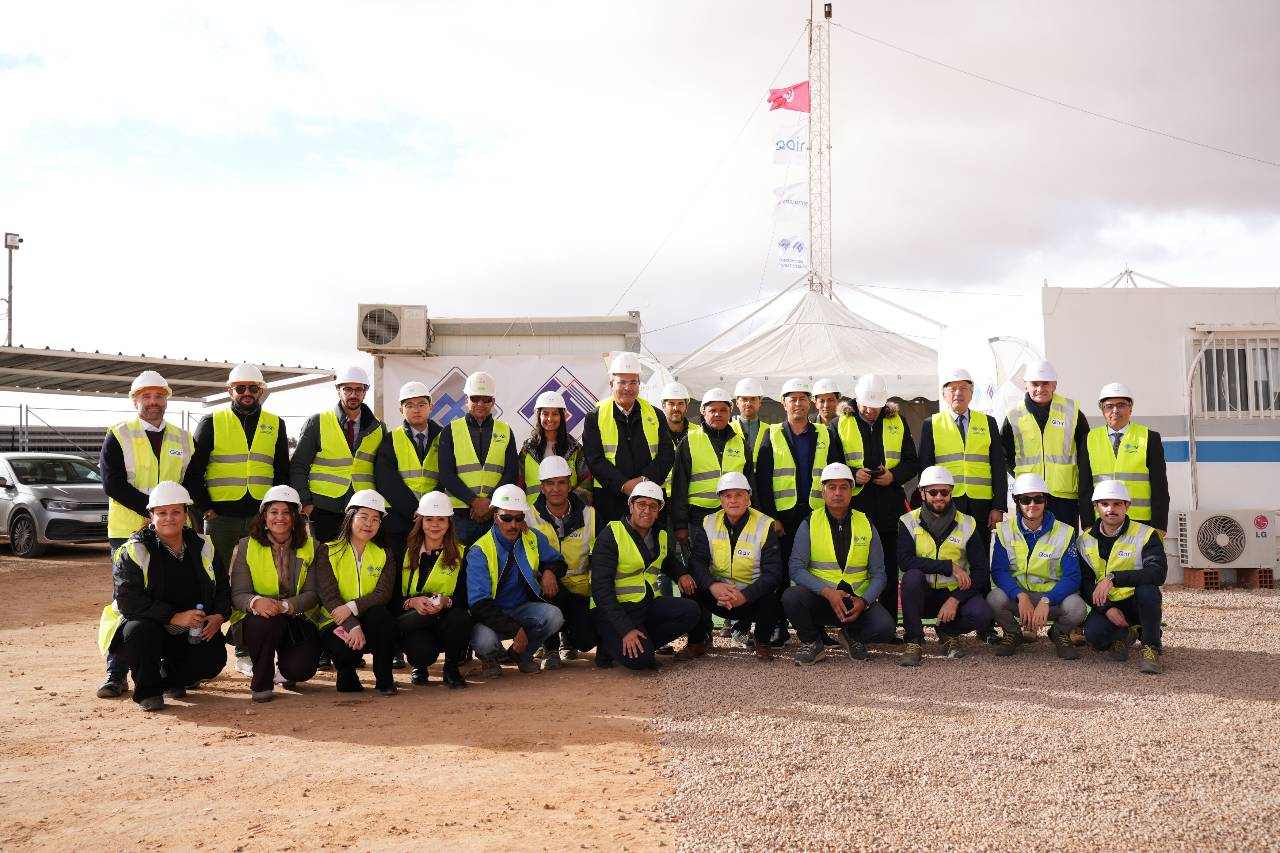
[(1229, 539), (392, 329)]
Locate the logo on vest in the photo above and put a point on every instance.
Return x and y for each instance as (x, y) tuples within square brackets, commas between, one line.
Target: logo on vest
[(175, 451), (1058, 422), (743, 552)]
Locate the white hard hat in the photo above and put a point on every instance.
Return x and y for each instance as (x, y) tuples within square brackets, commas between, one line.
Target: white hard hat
[(245, 373), (149, 379), (1040, 371), (796, 386), (480, 384), (1111, 490), (955, 374), (1029, 484), (826, 386), (353, 375), (549, 400), (510, 498), (552, 467), (167, 493), (871, 391), (837, 471), (414, 388), (288, 494), (716, 395), (625, 362), (648, 489), (674, 391), (1115, 389), (435, 505), (748, 388), (732, 480), (936, 475), (369, 499)]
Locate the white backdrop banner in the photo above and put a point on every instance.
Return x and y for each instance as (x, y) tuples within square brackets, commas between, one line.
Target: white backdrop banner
[(581, 380)]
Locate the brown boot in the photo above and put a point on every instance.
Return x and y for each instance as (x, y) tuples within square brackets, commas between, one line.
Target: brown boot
[(763, 652), (691, 651)]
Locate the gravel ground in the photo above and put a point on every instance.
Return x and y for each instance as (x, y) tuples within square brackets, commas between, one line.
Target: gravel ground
[(985, 752)]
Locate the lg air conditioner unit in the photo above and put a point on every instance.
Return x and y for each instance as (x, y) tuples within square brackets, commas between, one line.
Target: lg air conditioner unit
[(393, 329), (1229, 539)]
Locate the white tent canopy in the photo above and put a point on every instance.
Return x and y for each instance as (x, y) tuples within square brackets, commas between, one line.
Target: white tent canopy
[(820, 337)]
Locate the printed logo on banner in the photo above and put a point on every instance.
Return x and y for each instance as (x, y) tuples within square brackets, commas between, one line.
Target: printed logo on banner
[(791, 254), (578, 399), (447, 400)]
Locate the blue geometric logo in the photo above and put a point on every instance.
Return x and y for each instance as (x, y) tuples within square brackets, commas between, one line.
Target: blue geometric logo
[(578, 398), (447, 400)]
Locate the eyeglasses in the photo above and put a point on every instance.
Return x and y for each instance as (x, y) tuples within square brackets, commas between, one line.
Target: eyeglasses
[(937, 493), (510, 518), (1027, 500), (245, 389), (1118, 406)]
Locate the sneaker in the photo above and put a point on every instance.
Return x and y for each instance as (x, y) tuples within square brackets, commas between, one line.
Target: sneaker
[(691, 651), (911, 654), (263, 695), (112, 689), (1062, 645), (551, 661), (453, 677), (528, 666), (152, 703), (244, 666), (1151, 661), (490, 669), (419, 678), (990, 637), (854, 648), (667, 650), (826, 639), (951, 648), (398, 661), (743, 638), (568, 653), (1118, 651), (1135, 634), (1009, 642), (810, 653), (348, 681), (325, 662)]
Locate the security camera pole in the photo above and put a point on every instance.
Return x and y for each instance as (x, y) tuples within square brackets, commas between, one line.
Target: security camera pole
[(11, 242)]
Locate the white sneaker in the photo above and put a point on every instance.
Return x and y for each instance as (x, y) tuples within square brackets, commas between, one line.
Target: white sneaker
[(280, 679), (244, 666)]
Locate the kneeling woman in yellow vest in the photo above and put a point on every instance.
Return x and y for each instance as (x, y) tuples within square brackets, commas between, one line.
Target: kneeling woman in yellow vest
[(430, 604), (170, 598), (274, 593), (355, 583)]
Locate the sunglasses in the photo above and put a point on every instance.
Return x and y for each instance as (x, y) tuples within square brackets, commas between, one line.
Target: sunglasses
[(507, 518), (1027, 500), (245, 389), (937, 493)]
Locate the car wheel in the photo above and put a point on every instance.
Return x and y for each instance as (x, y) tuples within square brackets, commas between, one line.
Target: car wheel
[(23, 538)]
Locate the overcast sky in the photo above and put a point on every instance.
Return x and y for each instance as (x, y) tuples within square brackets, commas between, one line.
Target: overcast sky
[(228, 181)]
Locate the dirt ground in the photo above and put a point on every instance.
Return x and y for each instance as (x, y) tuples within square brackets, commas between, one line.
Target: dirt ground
[(555, 760)]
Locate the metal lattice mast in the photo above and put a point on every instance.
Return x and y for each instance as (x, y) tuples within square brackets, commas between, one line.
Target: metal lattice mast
[(820, 149)]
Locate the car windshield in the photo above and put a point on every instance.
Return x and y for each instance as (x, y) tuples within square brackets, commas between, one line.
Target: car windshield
[(54, 471)]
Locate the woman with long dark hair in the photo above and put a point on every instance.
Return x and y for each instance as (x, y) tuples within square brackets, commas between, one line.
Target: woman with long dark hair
[(551, 438), (431, 609)]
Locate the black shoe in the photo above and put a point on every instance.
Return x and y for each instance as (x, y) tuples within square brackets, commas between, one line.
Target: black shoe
[(855, 648), (667, 650), (453, 677), (177, 692), (389, 690), (604, 661), (152, 703), (419, 678), (112, 689), (990, 637), (398, 662), (779, 637), (826, 639), (348, 681), (326, 662)]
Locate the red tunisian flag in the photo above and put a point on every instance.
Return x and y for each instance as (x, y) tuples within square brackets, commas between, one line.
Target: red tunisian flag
[(791, 98)]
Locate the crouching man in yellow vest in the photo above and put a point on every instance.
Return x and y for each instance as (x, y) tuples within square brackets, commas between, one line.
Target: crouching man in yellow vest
[(1124, 566), (560, 514), (170, 597)]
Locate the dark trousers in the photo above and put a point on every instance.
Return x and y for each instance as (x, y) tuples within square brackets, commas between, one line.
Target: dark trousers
[(579, 629), (1066, 510), (921, 601), (1141, 608), (379, 639), (158, 659), (325, 525), (423, 638), (662, 620), (291, 643), (809, 612), (117, 669), (887, 530), (765, 612)]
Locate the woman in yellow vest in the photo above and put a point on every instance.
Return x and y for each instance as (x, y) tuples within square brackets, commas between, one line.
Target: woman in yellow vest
[(551, 437), (355, 580), (430, 604), (274, 593)]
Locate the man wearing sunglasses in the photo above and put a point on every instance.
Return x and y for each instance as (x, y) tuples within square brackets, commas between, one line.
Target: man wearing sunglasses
[(944, 563), (478, 454), (1036, 572), (1129, 452), (1045, 434)]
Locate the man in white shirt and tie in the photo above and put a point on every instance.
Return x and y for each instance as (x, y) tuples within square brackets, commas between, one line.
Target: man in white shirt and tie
[(1127, 451)]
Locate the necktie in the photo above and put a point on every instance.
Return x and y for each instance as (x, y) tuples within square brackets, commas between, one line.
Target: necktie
[(963, 423), (1115, 442), (351, 434), (420, 441)]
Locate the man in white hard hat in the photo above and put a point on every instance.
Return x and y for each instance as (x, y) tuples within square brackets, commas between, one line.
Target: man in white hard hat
[(626, 441), (711, 450), (1046, 434), (477, 455), (550, 436), (407, 465), (1035, 572), (569, 523), (879, 450), (513, 571), (737, 565), (826, 399), (748, 395), (837, 566), (1128, 451), (335, 455), (944, 564), (170, 597), (633, 617), (136, 455), (1123, 566)]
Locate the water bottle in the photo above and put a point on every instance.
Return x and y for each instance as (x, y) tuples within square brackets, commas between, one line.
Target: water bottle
[(193, 635)]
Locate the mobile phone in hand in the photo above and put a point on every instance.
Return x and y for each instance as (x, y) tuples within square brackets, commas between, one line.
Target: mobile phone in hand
[(341, 633)]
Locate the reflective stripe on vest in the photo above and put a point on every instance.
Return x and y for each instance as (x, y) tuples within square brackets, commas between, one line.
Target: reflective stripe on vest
[(1052, 454), (533, 485), (968, 458), (355, 579), (952, 549), (576, 550), (266, 580), (143, 470), (741, 567), (335, 470), (489, 547), (706, 468), (784, 469), (420, 477), (1126, 551), (634, 579), (1035, 570), (891, 433), (822, 551), (1129, 466), (441, 580), (480, 477), (111, 620), (236, 468), (609, 428)]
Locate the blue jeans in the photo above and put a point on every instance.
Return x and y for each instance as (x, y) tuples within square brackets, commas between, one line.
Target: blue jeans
[(539, 620)]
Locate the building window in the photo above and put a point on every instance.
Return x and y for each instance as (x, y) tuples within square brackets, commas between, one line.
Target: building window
[(1239, 376)]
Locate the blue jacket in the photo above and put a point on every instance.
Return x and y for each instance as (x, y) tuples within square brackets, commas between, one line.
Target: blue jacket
[(1068, 583), (519, 587)]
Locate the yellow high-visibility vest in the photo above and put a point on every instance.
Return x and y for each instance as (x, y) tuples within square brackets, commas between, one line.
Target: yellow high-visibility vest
[(235, 468), (706, 468), (266, 580), (967, 457), (785, 481), (481, 477), (741, 565), (952, 549), (635, 578), (762, 434), (144, 471), (891, 435), (1038, 569), (335, 470), (1124, 556), (1129, 465), (111, 619), (355, 579), (823, 563), (609, 428), (441, 580), (575, 548), (420, 476), (1051, 454)]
